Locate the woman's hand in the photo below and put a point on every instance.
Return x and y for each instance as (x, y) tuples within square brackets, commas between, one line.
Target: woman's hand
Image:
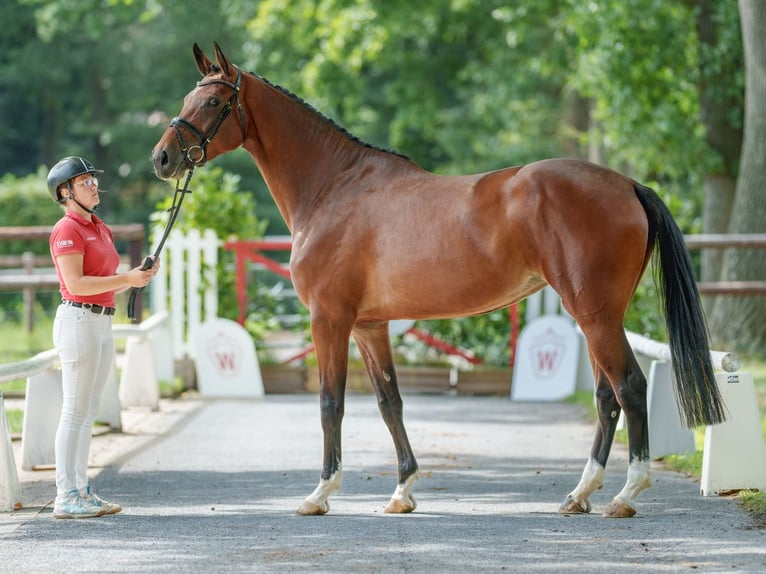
[(139, 277)]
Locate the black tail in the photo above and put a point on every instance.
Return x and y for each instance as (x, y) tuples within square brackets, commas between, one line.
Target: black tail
[(695, 385)]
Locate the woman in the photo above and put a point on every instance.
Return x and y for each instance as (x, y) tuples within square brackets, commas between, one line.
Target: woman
[(86, 263)]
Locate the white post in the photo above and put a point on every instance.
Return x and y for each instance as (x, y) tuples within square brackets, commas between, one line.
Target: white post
[(42, 410), (534, 307), (551, 301), (735, 455), (210, 254), (159, 285), (161, 339), (109, 410), (666, 433), (193, 282), (9, 478), (177, 293), (138, 384)]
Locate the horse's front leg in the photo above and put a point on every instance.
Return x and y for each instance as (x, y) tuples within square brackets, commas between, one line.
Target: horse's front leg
[(331, 343), (375, 346)]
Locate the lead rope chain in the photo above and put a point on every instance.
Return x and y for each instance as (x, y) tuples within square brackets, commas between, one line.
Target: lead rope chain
[(178, 198)]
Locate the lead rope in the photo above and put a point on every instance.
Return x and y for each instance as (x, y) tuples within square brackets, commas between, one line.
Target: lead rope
[(178, 198)]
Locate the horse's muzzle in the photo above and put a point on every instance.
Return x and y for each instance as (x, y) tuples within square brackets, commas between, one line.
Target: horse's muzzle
[(168, 165)]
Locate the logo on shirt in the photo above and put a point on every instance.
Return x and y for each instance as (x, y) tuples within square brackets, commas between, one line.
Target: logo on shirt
[(61, 243)]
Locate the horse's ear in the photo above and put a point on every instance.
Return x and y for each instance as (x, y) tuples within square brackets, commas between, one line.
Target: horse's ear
[(223, 61), (203, 63)]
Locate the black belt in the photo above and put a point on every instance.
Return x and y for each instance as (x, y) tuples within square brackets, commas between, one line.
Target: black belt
[(97, 309)]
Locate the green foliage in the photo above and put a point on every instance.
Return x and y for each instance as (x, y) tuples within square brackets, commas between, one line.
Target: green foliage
[(26, 202), (485, 335), (16, 344), (459, 86), (623, 67), (218, 203), (101, 79)]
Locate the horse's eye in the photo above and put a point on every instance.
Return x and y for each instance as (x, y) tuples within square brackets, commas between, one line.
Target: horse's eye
[(213, 102)]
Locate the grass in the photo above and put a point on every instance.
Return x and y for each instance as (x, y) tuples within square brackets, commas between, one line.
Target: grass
[(15, 418), (16, 344)]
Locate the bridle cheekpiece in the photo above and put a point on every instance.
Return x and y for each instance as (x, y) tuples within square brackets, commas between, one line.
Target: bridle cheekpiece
[(195, 154)]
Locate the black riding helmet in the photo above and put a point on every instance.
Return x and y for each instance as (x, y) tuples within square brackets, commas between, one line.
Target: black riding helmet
[(65, 170)]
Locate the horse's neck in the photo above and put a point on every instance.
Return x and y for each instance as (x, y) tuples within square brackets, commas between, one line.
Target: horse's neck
[(297, 151)]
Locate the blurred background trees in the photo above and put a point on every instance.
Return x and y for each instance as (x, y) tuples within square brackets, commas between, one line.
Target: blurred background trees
[(651, 88)]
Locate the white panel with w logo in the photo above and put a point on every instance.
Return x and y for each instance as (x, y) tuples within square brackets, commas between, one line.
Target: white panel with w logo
[(547, 355), (227, 365)]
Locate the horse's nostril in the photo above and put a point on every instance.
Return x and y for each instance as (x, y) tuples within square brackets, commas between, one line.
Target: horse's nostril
[(164, 159)]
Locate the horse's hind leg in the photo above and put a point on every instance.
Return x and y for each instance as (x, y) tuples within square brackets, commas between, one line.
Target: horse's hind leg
[(578, 501), (632, 396), (375, 346), (620, 384)]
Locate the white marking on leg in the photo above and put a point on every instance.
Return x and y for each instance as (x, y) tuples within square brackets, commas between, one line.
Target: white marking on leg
[(402, 500), (639, 478), (325, 488), (591, 480), (403, 492)]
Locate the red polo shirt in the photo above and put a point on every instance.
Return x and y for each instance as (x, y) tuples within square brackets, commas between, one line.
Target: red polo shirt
[(91, 239)]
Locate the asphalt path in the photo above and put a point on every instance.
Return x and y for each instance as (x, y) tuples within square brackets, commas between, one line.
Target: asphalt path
[(213, 485)]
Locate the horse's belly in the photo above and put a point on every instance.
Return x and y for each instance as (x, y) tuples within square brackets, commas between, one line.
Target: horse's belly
[(446, 295)]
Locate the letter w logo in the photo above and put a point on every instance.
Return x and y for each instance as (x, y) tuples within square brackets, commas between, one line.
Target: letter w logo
[(226, 361), (546, 360)]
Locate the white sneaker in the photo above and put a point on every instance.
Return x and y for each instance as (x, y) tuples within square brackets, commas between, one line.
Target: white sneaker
[(72, 505), (107, 507)]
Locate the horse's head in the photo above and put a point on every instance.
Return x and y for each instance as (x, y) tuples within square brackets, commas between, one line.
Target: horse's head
[(204, 128)]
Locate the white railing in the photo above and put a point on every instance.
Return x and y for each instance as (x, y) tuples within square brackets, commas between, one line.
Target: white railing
[(722, 360), (148, 359), (23, 369)]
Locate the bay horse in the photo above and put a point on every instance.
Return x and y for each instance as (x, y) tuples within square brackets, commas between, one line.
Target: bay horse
[(377, 238)]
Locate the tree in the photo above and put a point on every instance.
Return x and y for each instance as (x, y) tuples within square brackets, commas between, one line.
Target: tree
[(100, 79), (721, 93), (740, 323), (649, 87)]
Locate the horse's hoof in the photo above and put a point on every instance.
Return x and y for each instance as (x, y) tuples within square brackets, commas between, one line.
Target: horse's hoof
[(572, 506), (398, 506), (619, 509), (309, 508)]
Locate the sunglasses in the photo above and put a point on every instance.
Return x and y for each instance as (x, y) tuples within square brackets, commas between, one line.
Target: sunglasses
[(89, 183)]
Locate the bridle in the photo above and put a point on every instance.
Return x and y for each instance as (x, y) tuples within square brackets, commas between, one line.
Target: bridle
[(195, 155)]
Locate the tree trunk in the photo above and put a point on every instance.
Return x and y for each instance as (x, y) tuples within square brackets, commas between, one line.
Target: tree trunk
[(739, 323), (722, 135)]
